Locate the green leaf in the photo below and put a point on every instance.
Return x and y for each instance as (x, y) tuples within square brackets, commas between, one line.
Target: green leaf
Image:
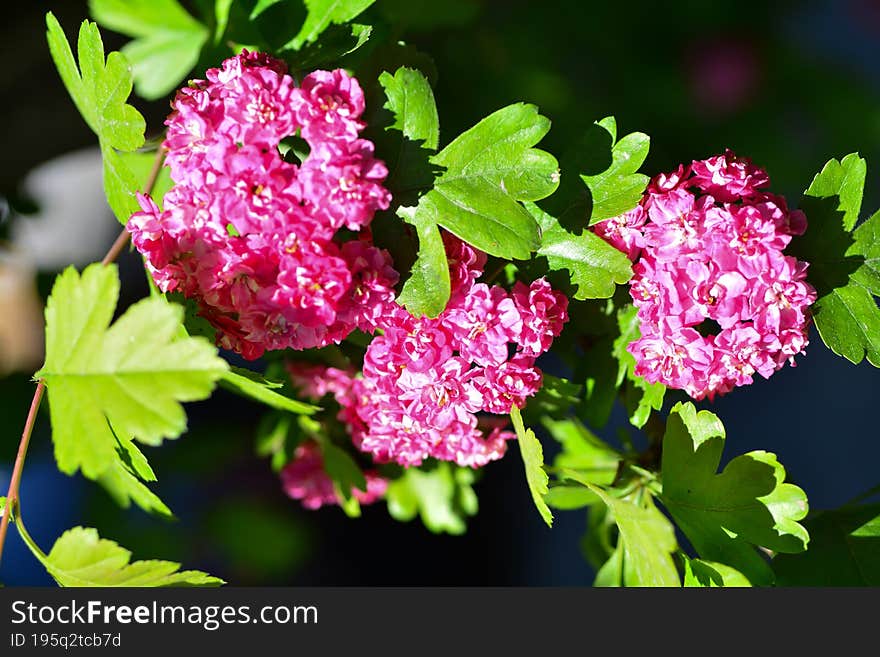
[(100, 90), (81, 558), (166, 40), (221, 16), (710, 574), (610, 574), (336, 42), (2, 504), (140, 163), (583, 453), (844, 550), (566, 498), (488, 169), (123, 480), (848, 322), (127, 379), (442, 496), (843, 264), (254, 386), (594, 265), (345, 473), (321, 13), (416, 132), (725, 515), (124, 487), (555, 396), (867, 245), (619, 188), (261, 6), (411, 102), (846, 180), (533, 459), (641, 397), (648, 540), (427, 290)]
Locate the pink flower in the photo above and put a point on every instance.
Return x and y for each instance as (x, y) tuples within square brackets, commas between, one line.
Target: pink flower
[(728, 178), (482, 324), (624, 232), (543, 312), (329, 105)]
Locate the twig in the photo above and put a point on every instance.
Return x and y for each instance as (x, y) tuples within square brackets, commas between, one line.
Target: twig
[(12, 494)]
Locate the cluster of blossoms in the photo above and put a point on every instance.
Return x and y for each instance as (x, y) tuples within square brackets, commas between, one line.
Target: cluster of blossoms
[(251, 236), (305, 479), (425, 379), (708, 245)]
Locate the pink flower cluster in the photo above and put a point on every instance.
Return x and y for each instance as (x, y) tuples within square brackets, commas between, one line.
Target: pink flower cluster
[(425, 379), (305, 479), (708, 244), (251, 236)]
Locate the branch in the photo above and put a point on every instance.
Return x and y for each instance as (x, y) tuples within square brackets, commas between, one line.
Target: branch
[(12, 495)]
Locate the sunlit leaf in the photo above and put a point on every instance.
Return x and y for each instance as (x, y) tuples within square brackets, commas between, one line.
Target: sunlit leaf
[(727, 515), (128, 379), (533, 459)]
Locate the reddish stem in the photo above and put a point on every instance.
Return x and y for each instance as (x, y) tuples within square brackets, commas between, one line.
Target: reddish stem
[(12, 495)]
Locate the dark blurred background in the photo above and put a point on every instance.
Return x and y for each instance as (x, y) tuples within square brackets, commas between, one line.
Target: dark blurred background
[(789, 84)]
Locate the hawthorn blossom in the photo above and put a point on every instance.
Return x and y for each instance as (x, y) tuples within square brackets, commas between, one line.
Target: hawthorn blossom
[(252, 236), (306, 480), (425, 380), (427, 384), (718, 301)]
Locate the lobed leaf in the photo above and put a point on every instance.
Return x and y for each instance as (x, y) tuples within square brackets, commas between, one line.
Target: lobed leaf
[(648, 541), (428, 287), (584, 456), (711, 574), (488, 169), (595, 267), (321, 13), (725, 516), (844, 264), (124, 380), (641, 397), (619, 188), (82, 558), (254, 386), (341, 468), (99, 90), (411, 102), (844, 550), (166, 41)]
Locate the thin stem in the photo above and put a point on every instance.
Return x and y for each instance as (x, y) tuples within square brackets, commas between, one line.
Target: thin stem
[(117, 248), (12, 494), (122, 240)]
